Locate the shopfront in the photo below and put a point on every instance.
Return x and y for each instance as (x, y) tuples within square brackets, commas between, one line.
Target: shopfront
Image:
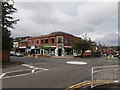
[(47, 49), (22, 49), (59, 50)]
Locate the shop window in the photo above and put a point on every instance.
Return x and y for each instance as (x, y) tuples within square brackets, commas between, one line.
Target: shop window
[(37, 41), (41, 41), (59, 40), (46, 41), (52, 41)]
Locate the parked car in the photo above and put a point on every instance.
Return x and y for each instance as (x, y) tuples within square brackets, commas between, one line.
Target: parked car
[(12, 53), (116, 55), (18, 54), (76, 55)]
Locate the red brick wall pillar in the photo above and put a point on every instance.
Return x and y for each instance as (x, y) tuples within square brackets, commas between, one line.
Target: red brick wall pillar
[(4, 55)]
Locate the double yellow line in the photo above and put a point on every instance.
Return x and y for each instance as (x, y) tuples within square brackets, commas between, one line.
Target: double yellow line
[(84, 83)]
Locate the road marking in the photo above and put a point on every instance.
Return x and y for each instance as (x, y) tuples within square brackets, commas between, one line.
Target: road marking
[(44, 69), (15, 76), (17, 71), (33, 67), (79, 85), (116, 81), (85, 83), (2, 75), (76, 62), (28, 65), (32, 70)]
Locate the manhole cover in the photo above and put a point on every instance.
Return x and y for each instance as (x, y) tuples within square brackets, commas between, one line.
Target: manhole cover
[(76, 62)]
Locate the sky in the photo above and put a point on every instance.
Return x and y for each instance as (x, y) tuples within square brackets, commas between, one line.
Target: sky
[(96, 20)]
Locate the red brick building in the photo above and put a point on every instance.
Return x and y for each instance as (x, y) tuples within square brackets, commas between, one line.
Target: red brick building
[(22, 45), (56, 43), (19, 43)]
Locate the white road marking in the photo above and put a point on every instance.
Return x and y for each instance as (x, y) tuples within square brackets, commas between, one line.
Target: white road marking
[(116, 81), (32, 70), (36, 68), (28, 65), (17, 71), (76, 62), (15, 76), (2, 75), (33, 67), (44, 69)]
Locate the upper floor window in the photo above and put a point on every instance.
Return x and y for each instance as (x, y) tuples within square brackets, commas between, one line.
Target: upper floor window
[(28, 42), (52, 40), (32, 41), (37, 41), (66, 40), (46, 41), (41, 41), (70, 40), (59, 40)]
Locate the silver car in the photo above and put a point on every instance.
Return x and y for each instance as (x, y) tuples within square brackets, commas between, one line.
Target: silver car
[(18, 54)]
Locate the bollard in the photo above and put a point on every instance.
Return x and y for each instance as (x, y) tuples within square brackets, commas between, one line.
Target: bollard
[(112, 56), (108, 57), (28, 55), (36, 56)]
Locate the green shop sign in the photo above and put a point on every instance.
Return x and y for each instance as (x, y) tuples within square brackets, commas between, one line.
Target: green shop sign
[(46, 46)]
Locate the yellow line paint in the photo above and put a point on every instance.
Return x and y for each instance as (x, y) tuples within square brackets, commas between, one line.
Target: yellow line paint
[(79, 84), (84, 83)]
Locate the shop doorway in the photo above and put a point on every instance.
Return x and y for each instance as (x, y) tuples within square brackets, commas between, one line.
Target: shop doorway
[(59, 52), (37, 51), (42, 51)]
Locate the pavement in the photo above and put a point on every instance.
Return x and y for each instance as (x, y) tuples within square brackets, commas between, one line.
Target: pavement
[(68, 56), (50, 72)]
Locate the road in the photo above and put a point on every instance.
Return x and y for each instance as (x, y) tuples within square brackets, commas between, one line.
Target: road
[(59, 74)]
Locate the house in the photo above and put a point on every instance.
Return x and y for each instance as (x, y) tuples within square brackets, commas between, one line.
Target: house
[(17, 43), (22, 46)]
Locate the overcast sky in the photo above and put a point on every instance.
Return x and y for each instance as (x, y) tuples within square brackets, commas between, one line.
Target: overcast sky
[(98, 19)]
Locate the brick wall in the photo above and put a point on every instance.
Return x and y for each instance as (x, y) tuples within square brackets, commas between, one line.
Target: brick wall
[(22, 44), (69, 37), (5, 57)]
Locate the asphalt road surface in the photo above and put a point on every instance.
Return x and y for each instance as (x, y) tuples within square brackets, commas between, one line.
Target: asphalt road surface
[(46, 72)]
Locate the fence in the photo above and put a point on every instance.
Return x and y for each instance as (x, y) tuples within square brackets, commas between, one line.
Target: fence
[(104, 75)]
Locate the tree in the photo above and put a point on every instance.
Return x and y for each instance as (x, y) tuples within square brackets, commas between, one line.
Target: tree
[(7, 22), (82, 44)]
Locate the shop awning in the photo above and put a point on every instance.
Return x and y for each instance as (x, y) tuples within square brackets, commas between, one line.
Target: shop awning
[(67, 46), (22, 47), (46, 46)]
